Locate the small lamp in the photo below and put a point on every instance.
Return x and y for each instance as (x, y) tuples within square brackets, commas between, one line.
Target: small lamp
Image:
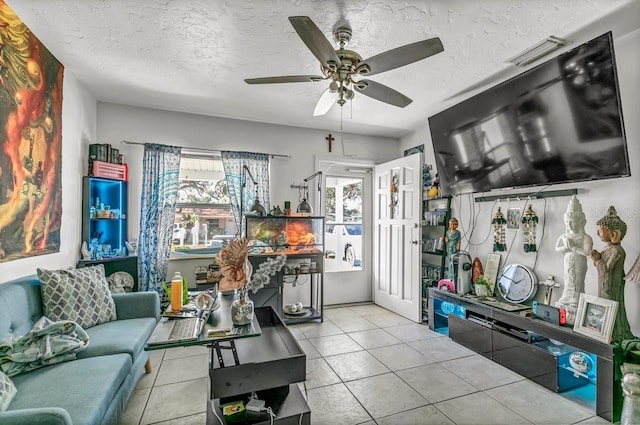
[(257, 206), (305, 207), (634, 273)]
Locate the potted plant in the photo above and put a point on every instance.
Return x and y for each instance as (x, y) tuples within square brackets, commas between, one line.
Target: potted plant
[(481, 286)]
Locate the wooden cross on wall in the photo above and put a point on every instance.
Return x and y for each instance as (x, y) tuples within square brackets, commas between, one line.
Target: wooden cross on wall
[(329, 139)]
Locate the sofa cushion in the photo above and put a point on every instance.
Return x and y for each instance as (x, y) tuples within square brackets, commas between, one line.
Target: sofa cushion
[(20, 306), (120, 336), (80, 295), (7, 391), (84, 388)]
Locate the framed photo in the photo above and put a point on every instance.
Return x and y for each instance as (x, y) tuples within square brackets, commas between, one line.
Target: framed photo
[(491, 271), (513, 218), (595, 317), (415, 149)]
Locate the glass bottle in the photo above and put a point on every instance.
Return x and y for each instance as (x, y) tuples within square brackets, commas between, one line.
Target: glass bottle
[(176, 292)]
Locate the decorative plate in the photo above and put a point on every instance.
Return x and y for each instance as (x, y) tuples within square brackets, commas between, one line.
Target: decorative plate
[(290, 312), (581, 362), (447, 307), (120, 282)]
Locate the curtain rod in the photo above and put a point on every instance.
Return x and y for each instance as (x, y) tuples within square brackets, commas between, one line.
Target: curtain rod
[(272, 155)]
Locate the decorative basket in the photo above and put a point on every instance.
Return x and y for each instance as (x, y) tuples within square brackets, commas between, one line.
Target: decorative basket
[(109, 170)]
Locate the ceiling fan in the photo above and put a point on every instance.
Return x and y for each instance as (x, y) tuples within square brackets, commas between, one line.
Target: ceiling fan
[(342, 65)]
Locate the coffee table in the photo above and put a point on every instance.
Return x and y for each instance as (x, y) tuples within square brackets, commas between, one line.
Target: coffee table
[(261, 357)]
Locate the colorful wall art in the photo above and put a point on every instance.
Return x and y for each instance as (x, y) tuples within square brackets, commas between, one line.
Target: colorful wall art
[(30, 142)]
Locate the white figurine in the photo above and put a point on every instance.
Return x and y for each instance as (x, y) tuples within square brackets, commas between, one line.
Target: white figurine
[(84, 250), (576, 246), (131, 248)]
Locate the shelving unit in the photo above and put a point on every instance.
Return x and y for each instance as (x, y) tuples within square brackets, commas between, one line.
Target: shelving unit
[(104, 220), (104, 212), (435, 218), (301, 240), (537, 350)]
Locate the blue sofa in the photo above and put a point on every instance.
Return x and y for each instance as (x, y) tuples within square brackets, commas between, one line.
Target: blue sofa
[(94, 388)]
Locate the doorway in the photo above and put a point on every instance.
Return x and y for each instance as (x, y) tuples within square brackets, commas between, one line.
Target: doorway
[(347, 237)]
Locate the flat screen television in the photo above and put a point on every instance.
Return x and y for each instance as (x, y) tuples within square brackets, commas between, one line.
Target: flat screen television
[(558, 122)]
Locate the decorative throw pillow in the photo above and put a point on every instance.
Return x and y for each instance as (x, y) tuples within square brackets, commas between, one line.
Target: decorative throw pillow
[(80, 295), (7, 391)]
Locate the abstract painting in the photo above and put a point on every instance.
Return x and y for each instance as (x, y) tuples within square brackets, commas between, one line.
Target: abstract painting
[(30, 142)]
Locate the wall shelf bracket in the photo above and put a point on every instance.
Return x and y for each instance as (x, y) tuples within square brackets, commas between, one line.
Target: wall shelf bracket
[(527, 195)]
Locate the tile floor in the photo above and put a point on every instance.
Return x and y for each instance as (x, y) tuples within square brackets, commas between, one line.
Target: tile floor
[(367, 365)]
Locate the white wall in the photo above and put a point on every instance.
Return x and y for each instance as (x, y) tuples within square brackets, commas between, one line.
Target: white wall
[(118, 122), (78, 129), (595, 197)]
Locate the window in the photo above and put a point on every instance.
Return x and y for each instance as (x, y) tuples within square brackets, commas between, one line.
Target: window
[(343, 229), (203, 213)]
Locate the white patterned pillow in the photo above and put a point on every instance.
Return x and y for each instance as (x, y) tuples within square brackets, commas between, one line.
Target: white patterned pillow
[(80, 295), (7, 391)]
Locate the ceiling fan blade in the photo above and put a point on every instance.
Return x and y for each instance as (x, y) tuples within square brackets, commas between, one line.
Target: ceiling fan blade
[(382, 93), (326, 101), (400, 56), (285, 79), (315, 40)]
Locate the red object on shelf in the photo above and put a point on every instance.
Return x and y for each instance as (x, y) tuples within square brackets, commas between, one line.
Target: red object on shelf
[(109, 170)]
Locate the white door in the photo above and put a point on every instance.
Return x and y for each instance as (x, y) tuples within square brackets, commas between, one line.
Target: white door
[(397, 199), (348, 232)]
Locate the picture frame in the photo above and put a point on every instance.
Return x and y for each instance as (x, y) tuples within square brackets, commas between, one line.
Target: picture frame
[(491, 269), (595, 317), (415, 149), (513, 218)]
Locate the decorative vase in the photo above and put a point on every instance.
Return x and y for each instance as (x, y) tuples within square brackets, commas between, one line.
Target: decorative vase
[(631, 404), (242, 308), (481, 290)]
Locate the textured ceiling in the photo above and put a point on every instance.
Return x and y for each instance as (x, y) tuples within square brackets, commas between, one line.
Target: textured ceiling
[(193, 55)]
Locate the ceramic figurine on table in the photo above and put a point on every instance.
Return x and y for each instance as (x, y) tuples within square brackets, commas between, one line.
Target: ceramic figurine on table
[(84, 250), (610, 264), (576, 245), (453, 243)]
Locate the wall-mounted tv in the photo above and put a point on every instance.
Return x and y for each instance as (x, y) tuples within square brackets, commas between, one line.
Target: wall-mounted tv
[(558, 122)]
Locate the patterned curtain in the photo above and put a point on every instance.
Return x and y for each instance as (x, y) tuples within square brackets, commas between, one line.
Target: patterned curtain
[(161, 165), (258, 164)]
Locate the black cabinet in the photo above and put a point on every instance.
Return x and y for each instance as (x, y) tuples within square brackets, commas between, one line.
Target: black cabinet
[(578, 367), (127, 265), (472, 335)]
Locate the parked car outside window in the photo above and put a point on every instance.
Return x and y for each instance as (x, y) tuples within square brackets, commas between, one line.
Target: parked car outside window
[(344, 241)]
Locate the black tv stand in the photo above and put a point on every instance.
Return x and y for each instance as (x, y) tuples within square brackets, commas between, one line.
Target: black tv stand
[(537, 350)]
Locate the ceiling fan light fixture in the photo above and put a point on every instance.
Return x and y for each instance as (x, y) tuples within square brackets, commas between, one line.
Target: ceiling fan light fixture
[(341, 65), (363, 69), (348, 94), (360, 85), (538, 50)]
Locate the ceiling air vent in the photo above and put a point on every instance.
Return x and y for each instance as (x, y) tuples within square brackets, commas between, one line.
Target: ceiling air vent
[(538, 50)]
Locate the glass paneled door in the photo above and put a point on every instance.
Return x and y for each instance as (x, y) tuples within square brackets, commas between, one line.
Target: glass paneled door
[(347, 234)]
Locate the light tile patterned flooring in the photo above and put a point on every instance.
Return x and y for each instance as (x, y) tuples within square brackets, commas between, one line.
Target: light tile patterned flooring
[(367, 365)]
